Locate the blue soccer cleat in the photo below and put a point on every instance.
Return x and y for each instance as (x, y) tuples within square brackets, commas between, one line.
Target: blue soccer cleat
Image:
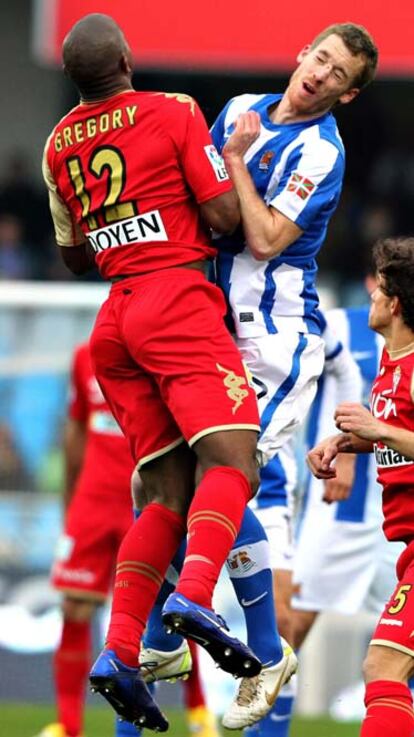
[(126, 691), (204, 626)]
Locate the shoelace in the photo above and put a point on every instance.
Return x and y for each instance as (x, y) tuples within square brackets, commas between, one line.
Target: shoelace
[(248, 689)]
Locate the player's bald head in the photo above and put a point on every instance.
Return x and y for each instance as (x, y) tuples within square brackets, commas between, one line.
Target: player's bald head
[(94, 51)]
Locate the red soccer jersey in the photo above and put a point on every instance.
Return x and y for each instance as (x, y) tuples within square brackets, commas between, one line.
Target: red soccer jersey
[(127, 174), (392, 403), (107, 464)]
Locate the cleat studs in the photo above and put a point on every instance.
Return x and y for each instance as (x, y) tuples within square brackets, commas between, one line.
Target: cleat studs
[(228, 651), (93, 690), (142, 720), (169, 630), (186, 676), (176, 625), (106, 690), (247, 664)]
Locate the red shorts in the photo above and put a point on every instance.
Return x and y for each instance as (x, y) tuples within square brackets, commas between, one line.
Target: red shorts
[(166, 363), (396, 625), (86, 551)]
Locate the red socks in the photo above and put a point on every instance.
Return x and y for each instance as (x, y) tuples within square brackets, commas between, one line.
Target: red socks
[(193, 690), (143, 558), (214, 519), (71, 662), (389, 710)]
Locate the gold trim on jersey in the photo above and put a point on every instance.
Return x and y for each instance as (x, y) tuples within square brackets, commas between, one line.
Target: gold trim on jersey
[(221, 428), (180, 97), (158, 453), (402, 352)]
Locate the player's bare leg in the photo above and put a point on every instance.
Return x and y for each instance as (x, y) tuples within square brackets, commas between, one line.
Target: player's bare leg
[(302, 623)]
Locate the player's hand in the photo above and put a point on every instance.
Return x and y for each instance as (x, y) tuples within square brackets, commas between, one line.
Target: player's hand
[(339, 488), (355, 418), (320, 458), (246, 130)]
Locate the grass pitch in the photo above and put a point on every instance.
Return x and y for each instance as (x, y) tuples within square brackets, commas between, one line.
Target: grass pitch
[(24, 720)]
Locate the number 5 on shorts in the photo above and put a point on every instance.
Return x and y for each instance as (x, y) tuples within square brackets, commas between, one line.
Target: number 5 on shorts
[(400, 599)]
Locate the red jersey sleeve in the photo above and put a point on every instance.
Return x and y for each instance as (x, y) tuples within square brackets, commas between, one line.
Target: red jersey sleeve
[(78, 403), (203, 167)]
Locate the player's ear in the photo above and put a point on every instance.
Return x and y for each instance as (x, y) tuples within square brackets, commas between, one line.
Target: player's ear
[(126, 63), (304, 52), (395, 305), (349, 95)]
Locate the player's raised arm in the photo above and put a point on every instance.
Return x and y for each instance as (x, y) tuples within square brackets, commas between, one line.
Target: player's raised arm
[(268, 232)]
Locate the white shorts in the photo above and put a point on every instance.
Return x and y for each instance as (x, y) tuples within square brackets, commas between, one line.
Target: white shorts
[(285, 368), (342, 566), (277, 523)]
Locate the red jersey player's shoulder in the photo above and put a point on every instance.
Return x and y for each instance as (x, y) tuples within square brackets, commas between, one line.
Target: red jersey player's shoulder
[(56, 130), (175, 101), (175, 105)]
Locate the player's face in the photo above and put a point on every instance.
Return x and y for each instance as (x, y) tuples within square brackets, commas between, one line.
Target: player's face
[(380, 312), (324, 77)]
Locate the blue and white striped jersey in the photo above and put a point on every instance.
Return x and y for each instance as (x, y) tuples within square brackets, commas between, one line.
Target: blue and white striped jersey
[(297, 168), (351, 328)]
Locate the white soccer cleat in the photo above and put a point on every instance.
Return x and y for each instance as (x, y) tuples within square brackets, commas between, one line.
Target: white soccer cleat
[(256, 696), (163, 665)]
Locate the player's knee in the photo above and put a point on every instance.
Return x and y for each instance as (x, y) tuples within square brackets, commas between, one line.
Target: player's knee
[(139, 498), (170, 493), (251, 471)]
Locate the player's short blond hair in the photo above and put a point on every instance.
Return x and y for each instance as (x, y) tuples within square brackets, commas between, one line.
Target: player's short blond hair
[(360, 43)]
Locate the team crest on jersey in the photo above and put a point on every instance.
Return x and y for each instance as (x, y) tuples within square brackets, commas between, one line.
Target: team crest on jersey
[(233, 384), (396, 377), (216, 162), (302, 186), (265, 160)]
